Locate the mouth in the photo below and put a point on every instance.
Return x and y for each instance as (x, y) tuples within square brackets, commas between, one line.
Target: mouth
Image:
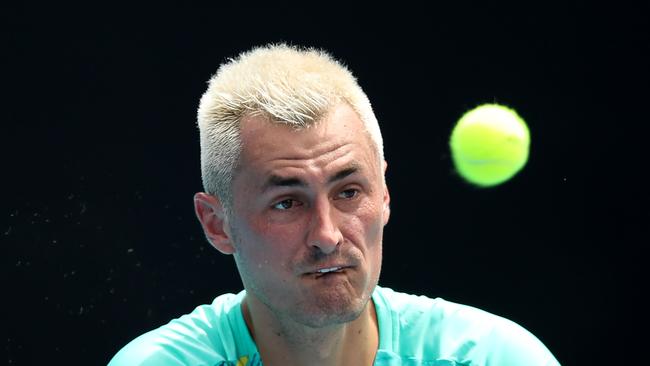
[(327, 271)]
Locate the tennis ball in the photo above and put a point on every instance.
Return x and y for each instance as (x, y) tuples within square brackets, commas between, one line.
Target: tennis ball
[(489, 145)]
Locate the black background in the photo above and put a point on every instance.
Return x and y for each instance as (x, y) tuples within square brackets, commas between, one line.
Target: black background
[(101, 158)]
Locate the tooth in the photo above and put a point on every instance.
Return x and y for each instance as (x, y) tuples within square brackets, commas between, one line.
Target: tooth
[(326, 270)]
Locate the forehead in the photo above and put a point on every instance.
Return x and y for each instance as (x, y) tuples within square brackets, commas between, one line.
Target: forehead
[(341, 131), (337, 142)]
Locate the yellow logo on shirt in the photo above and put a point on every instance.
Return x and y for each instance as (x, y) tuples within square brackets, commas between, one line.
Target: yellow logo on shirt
[(243, 361)]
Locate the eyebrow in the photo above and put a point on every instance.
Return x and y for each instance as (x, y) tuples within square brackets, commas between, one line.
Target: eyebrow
[(279, 181)]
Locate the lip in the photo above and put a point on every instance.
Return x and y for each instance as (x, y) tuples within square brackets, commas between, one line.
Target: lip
[(327, 269)]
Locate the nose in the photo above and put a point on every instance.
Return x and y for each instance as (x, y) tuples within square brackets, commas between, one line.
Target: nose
[(324, 233)]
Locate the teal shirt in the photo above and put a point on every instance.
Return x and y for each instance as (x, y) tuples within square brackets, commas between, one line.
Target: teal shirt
[(413, 331)]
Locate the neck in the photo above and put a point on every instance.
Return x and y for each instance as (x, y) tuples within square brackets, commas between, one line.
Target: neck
[(284, 342)]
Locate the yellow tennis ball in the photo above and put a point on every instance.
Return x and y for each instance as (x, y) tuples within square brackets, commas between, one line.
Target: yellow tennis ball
[(489, 145)]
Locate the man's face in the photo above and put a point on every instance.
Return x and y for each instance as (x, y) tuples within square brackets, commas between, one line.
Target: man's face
[(310, 206)]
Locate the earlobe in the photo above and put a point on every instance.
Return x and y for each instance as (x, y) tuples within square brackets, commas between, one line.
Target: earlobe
[(386, 197), (211, 215), (386, 208)]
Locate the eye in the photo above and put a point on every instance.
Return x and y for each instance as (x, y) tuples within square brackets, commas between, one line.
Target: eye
[(348, 193), (285, 204)]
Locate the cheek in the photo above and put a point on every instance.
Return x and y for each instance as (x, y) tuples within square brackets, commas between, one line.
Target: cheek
[(267, 245), (366, 223)]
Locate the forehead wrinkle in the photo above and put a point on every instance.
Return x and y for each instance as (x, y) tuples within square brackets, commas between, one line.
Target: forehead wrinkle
[(275, 180), (294, 180)]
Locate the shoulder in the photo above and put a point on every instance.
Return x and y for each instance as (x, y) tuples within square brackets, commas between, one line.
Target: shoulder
[(459, 332), (206, 335)]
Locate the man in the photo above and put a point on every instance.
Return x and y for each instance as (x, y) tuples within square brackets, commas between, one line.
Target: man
[(293, 172)]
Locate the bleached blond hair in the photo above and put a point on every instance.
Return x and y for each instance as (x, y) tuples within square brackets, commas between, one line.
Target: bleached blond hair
[(286, 84)]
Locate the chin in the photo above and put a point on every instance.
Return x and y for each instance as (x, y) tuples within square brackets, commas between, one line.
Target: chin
[(325, 317), (330, 310)]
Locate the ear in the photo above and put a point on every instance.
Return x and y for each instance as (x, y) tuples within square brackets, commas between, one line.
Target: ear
[(210, 213), (386, 197)]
